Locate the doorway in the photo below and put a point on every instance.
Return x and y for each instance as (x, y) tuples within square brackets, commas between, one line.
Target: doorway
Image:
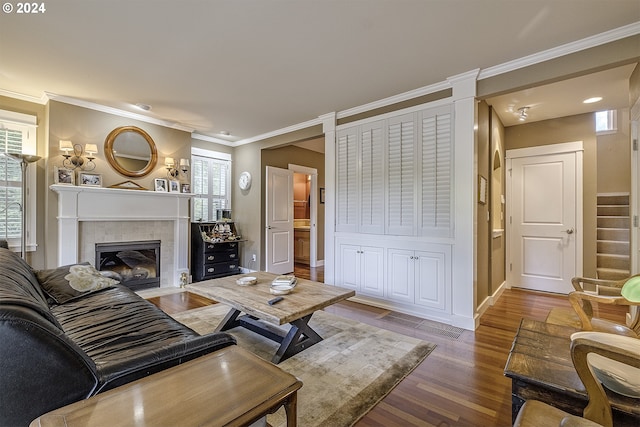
[(544, 211), (305, 214)]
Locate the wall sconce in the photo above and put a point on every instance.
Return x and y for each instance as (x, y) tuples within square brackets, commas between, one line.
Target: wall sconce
[(172, 171), (75, 160)]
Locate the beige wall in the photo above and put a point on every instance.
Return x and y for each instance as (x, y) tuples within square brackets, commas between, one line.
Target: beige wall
[(568, 129), (483, 226), (498, 186), (83, 125), (249, 205), (614, 152)]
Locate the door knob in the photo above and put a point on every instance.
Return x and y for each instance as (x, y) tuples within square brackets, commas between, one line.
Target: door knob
[(569, 230)]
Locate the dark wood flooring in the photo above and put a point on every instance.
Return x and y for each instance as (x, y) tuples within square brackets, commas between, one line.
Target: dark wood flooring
[(461, 383)]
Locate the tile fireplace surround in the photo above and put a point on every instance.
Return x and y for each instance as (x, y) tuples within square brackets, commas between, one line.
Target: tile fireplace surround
[(90, 215)]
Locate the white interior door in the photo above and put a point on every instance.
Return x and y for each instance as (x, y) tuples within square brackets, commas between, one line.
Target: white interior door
[(279, 221), (545, 226)]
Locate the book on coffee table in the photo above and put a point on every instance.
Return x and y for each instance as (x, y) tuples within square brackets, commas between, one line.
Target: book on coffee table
[(287, 279)]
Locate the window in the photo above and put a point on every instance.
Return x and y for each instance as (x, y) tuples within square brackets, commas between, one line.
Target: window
[(17, 135), (606, 121), (211, 184)]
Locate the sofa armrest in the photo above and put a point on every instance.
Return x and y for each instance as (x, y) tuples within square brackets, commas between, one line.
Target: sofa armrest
[(126, 369), (40, 367)]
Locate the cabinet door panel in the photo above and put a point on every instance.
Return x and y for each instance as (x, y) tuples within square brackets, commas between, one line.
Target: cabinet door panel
[(401, 159), (372, 173), (400, 282), (347, 180), (372, 270), (349, 266), (430, 279)]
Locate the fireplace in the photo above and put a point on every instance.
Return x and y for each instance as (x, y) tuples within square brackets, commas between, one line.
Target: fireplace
[(135, 264)]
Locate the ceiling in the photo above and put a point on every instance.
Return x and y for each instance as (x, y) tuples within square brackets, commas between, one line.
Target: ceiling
[(251, 67)]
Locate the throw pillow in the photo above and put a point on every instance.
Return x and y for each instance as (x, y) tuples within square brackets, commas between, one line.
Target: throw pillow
[(71, 281)]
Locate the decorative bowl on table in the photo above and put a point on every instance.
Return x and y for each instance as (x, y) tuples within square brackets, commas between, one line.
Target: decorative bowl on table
[(281, 289), (246, 280)]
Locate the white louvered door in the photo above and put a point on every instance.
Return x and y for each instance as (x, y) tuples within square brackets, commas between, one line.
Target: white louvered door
[(347, 180), (371, 178), (401, 182), (435, 156)]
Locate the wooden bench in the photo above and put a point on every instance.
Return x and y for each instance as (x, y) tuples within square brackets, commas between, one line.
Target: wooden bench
[(540, 368), (230, 387)]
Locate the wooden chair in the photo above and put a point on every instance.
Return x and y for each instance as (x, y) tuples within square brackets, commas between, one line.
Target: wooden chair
[(622, 349), (605, 292)]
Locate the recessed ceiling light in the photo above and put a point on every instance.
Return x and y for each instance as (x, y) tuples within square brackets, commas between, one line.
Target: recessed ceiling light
[(592, 100), (225, 132), (143, 107)]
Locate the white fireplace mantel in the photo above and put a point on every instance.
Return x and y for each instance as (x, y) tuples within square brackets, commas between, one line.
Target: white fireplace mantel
[(83, 203)]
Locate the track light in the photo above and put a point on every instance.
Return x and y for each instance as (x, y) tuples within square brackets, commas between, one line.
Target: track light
[(523, 113)]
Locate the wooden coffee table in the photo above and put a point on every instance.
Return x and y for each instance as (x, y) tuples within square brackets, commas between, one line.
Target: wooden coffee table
[(295, 309), (229, 387)]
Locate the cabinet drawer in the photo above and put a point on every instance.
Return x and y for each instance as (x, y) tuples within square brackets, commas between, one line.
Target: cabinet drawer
[(210, 270), (210, 257), (220, 247)]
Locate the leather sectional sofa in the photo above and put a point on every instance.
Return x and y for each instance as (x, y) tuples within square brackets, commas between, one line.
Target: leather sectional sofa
[(59, 345)]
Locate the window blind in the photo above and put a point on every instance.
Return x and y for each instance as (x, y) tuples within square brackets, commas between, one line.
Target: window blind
[(10, 184), (210, 181)]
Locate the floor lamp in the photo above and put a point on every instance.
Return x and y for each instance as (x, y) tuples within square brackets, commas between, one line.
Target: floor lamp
[(24, 159)]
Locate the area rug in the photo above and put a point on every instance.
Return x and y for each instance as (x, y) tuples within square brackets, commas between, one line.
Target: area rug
[(344, 376)]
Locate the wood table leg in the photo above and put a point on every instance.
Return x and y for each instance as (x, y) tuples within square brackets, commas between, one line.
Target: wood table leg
[(230, 321), (299, 337)]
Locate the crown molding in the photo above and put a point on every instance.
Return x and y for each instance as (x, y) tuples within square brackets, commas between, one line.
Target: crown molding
[(117, 112), (405, 96), (293, 128), (562, 50), (208, 138), (42, 100)]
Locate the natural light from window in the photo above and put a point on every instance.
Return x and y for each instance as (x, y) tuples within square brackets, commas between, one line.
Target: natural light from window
[(606, 121)]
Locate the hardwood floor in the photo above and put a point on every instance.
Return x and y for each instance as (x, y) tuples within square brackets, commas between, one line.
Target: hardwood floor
[(461, 383)]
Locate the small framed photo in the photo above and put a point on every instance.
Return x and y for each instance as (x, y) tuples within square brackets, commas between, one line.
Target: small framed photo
[(185, 188), (90, 179), (160, 184), (174, 186), (64, 176)]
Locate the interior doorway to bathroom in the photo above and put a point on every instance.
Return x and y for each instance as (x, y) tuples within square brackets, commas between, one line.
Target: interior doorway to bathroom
[(305, 191)]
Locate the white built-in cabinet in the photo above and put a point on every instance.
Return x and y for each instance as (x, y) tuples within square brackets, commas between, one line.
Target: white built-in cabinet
[(362, 268), (394, 207), (417, 277)]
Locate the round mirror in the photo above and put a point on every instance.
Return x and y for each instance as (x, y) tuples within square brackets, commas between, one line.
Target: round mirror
[(131, 151)]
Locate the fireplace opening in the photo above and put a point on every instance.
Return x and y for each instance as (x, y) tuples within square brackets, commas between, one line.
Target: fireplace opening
[(135, 264)]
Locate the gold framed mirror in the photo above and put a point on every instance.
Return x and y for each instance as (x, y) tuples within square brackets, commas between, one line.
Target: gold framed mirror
[(131, 151)]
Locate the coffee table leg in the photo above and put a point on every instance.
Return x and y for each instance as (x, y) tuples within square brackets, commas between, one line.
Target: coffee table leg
[(291, 409), (230, 321), (299, 337)]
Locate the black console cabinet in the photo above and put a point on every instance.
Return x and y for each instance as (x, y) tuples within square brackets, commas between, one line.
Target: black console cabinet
[(212, 253)]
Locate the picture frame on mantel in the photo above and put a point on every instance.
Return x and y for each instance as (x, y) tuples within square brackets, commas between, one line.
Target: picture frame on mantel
[(90, 179), (160, 184), (174, 186), (64, 176)]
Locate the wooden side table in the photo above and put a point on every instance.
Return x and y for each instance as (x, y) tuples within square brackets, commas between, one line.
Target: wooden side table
[(230, 387), (540, 368)]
